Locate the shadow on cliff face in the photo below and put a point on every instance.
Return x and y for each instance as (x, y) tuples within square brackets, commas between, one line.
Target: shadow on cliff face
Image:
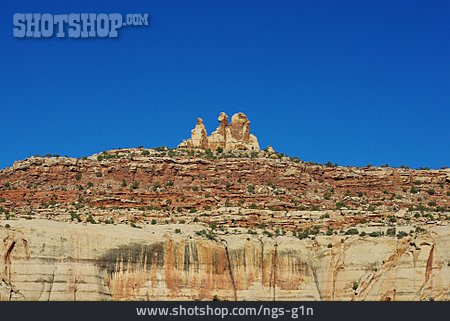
[(118, 259)]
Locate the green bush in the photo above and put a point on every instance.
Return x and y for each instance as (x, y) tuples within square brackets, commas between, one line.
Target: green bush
[(391, 232), (339, 205), (352, 231), (267, 233), (420, 230), (392, 219), (401, 234), (74, 216), (90, 219)]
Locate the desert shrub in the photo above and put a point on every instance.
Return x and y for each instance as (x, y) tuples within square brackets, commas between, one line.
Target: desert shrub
[(339, 205), (420, 229), (401, 234), (267, 233), (391, 232), (90, 219), (352, 231), (74, 216)]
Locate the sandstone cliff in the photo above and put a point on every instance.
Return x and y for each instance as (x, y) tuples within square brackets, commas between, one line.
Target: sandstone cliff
[(46, 260)]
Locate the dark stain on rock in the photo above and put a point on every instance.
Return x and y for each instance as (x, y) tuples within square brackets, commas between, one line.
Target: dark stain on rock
[(135, 253), (186, 257)]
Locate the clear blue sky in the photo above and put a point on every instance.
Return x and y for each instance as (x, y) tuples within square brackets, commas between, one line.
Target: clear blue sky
[(353, 82)]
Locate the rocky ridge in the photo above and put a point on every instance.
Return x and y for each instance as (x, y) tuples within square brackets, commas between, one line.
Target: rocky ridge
[(198, 224)]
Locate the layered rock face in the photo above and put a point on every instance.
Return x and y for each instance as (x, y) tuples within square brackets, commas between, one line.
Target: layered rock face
[(159, 224), (46, 260), (228, 136)]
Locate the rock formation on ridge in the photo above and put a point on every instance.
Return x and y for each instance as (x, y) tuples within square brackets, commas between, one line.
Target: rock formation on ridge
[(186, 224), (228, 136)]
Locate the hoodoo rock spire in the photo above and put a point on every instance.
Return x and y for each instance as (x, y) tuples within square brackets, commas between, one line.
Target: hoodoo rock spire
[(228, 136)]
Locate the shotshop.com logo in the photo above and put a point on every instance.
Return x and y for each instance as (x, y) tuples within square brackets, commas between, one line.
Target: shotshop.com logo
[(74, 25)]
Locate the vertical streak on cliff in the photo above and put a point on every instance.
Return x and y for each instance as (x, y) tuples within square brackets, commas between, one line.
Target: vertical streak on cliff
[(230, 270), (7, 260), (316, 280), (75, 289), (429, 266), (262, 262), (52, 280), (274, 270)]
